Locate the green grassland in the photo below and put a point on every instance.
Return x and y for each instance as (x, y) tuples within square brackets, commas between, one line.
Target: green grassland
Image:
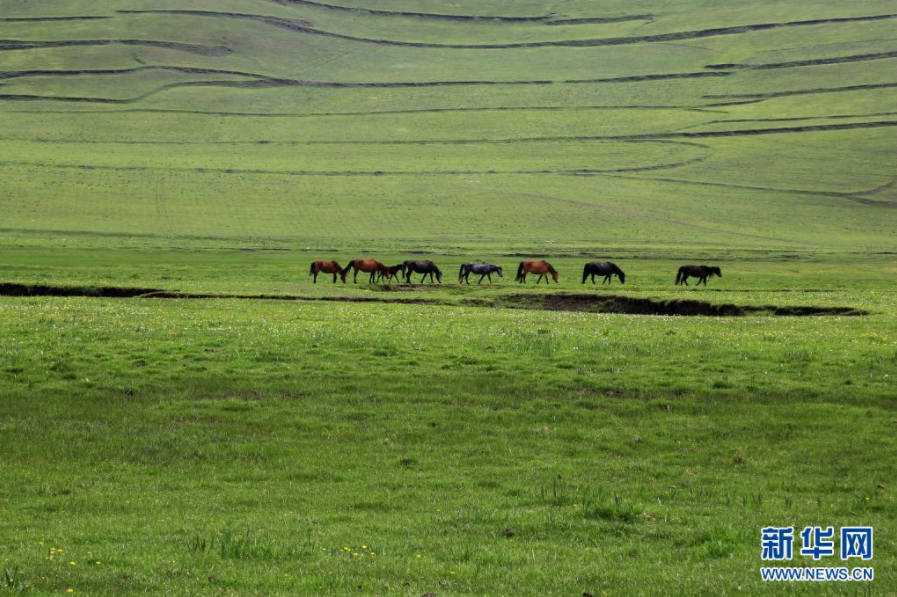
[(478, 441)]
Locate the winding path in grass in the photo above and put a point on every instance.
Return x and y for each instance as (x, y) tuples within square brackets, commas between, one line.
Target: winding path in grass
[(304, 27), (7, 45), (813, 91), (263, 81), (807, 62), (46, 19), (547, 19)]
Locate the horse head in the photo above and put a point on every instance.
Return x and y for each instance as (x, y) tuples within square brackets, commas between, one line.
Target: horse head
[(344, 272), (717, 271), (499, 271)]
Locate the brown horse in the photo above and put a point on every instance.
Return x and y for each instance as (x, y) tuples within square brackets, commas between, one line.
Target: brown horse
[(392, 271), (543, 268), (328, 267), (371, 266)]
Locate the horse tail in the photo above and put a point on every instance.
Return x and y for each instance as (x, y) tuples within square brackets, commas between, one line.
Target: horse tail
[(312, 270), (679, 275), (585, 273), (520, 271), (461, 271)]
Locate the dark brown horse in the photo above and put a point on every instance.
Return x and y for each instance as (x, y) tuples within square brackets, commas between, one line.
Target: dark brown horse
[(392, 271), (701, 272), (328, 267), (371, 266), (543, 268)]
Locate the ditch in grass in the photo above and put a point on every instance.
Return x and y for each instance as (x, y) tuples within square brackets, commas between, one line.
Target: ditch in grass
[(561, 301)]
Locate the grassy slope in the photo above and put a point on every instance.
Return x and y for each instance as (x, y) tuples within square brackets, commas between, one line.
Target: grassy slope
[(163, 176), (234, 446)]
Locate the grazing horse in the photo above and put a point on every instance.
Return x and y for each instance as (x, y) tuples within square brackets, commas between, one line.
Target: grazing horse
[(424, 267), (702, 272), (484, 269), (606, 269), (543, 268), (328, 267), (372, 266), (392, 271)]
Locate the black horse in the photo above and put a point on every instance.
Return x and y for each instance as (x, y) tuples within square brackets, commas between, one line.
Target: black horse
[(701, 272), (424, 267), (606, 269), (484, 269)]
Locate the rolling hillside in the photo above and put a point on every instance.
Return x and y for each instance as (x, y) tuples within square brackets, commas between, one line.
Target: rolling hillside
[(449, 125)]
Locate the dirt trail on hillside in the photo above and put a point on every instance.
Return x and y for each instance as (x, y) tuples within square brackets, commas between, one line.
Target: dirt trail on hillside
[(295, 25)]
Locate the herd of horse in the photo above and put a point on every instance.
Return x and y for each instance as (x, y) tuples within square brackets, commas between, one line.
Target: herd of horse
[(380, 272)]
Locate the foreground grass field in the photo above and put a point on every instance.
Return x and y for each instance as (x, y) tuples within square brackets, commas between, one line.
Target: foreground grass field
[(195, 446), (442, 440)]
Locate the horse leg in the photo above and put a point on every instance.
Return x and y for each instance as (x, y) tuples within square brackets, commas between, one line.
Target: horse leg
[(334, 277), (316, 277)]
